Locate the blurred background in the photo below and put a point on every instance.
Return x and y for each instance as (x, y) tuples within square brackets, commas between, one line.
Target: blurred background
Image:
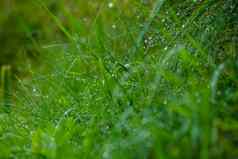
[(23, 26)]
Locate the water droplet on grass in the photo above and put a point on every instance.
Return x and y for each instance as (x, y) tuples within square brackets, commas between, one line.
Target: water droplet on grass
[(110, 5), (114, 26), (127, 65), (34, 90)]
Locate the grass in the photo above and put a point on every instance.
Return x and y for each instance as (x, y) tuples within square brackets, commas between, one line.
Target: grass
[(130, 79)]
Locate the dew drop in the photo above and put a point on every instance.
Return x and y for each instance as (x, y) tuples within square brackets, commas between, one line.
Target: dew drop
[(34, 90), (110, 5), (114, 26), (127, 65)]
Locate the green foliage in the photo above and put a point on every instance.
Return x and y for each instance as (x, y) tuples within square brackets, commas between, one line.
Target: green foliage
[(5, 84), (130, 79), (23, 26)]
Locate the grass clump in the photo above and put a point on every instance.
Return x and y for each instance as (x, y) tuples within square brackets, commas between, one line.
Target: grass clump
[(134, 79)]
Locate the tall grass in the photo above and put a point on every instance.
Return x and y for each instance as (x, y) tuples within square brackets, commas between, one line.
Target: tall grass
[(6, 89), (132, 80)]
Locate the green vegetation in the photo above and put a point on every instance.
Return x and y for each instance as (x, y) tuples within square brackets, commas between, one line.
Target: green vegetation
[(144, 79), (6, 87)]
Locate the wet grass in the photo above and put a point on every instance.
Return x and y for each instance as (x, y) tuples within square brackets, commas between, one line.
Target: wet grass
[(131, 79)]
